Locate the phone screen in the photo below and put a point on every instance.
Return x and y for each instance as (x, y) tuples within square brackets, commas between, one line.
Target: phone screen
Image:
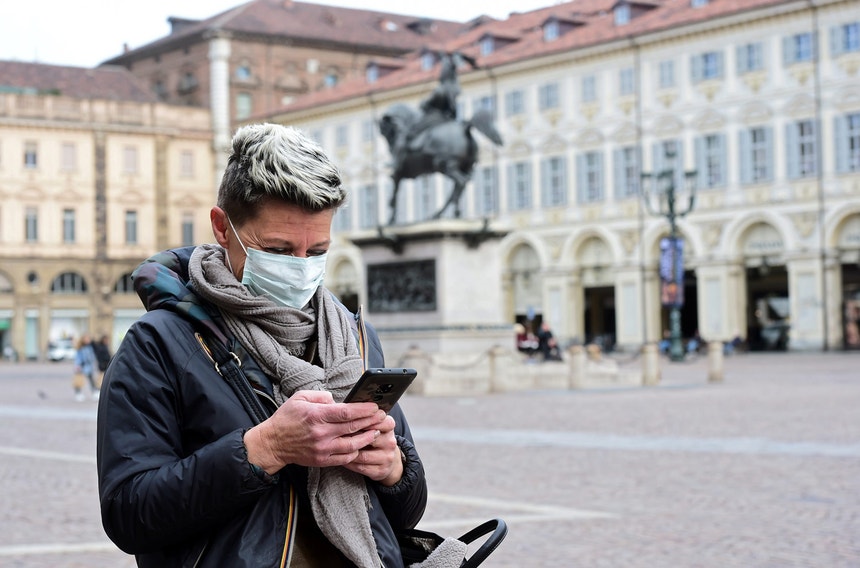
[(384, 386)]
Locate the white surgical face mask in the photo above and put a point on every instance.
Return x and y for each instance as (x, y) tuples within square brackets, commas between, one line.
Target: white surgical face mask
[(286, 280)]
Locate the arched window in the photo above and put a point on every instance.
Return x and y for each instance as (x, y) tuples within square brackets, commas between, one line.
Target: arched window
[(69, 283), (124, 284)]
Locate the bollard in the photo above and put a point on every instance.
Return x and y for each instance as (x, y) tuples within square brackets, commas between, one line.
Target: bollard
[(650, 365), (715, 362), (577, 366)]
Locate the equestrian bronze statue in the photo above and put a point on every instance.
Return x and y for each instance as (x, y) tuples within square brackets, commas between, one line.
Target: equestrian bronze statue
[(432, 140)]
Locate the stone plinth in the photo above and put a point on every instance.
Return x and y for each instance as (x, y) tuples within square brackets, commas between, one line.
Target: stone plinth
[(434, 296)]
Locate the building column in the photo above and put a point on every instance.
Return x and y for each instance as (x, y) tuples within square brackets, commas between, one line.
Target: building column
[(219, 97)]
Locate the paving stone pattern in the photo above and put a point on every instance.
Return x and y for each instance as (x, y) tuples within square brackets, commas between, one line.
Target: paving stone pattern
[(761, 470)]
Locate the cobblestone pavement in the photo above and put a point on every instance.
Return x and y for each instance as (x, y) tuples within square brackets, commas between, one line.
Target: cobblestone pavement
[(762, 470)]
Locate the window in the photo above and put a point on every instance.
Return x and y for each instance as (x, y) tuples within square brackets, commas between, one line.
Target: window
[(626, 171), (485, 103), (425, 197), (626, 84), (589, 89), (131, 227), (186, 163), (519, 186), (711, 161), (515, 103), (801, 149), (124, 284), (187, 229), (668, 155), (68, 157), (667, 74), (243, 72), (372, 73), (847, 129), (554, 182), (330, 80), (68, 225), (845, 38), (699, 3), (486, 191), (706, 66), (749, 58), (622, 14), (368, 130), (187, 83), (129, 160), (341, 136), (342, 221), (428, 60), (31, 225), (798, 48), (487, 45), (69, 283), (31, 155), (590, 177), (244, 105), (756, 145), (369, 216), (548, 96), (550, 30)]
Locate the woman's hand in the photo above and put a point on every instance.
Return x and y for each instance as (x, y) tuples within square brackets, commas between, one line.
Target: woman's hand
[(309, 429), (381, 460)]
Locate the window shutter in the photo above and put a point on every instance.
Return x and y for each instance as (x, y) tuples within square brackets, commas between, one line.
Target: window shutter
[(792, 151), (599, 165), (788, 50), (724, 160), (696, 68), (618, 173), (840, 130), (512, 201), (657, 158), (746, 157), (701, 162), (679, 165), (720, 66), (768, 140), (546, 199), (836, 40), (581, 177), (741, 57)]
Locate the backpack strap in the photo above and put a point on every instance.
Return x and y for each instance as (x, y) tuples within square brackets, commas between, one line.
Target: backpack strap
[(229, 366)]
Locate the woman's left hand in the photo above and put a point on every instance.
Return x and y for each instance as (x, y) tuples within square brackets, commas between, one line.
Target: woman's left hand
[(381, 461)]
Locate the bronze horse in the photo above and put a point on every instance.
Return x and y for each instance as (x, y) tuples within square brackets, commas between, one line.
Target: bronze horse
[(446, 147)]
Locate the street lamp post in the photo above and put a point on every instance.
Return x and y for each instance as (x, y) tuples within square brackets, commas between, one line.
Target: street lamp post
[(662, 184)]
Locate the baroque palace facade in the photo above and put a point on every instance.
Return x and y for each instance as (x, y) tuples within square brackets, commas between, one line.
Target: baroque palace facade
[(95, 175), (760, 97)]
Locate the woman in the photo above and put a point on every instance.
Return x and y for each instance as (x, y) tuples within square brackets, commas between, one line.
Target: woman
[(186, 476)]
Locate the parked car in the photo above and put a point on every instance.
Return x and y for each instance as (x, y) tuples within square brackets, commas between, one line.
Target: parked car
[(61, 350)]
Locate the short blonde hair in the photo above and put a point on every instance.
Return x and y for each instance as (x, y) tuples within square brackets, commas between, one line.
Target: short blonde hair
[(272, 161)]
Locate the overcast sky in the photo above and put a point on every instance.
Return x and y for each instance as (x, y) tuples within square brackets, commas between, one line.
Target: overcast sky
[(86, 32)]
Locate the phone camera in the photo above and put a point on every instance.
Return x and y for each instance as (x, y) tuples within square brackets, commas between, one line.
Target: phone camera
[(382, 389)]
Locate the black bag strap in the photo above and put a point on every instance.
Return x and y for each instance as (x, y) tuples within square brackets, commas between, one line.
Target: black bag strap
[(229, 366), (499, 530)]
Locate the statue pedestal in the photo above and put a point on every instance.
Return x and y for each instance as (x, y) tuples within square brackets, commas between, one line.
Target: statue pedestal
[(435, 299)]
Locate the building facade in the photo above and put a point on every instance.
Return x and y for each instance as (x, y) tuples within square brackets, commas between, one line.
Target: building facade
[(760, 98), (95, 175), (255, 58)]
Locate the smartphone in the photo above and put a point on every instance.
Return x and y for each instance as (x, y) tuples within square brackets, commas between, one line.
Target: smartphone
[(384, 386)]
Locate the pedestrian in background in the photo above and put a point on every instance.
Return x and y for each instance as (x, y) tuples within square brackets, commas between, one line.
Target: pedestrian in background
[(86, 365), (101, 349)]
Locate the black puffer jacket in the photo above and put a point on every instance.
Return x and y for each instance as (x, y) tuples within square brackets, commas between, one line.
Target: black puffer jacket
[(175, 485)]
